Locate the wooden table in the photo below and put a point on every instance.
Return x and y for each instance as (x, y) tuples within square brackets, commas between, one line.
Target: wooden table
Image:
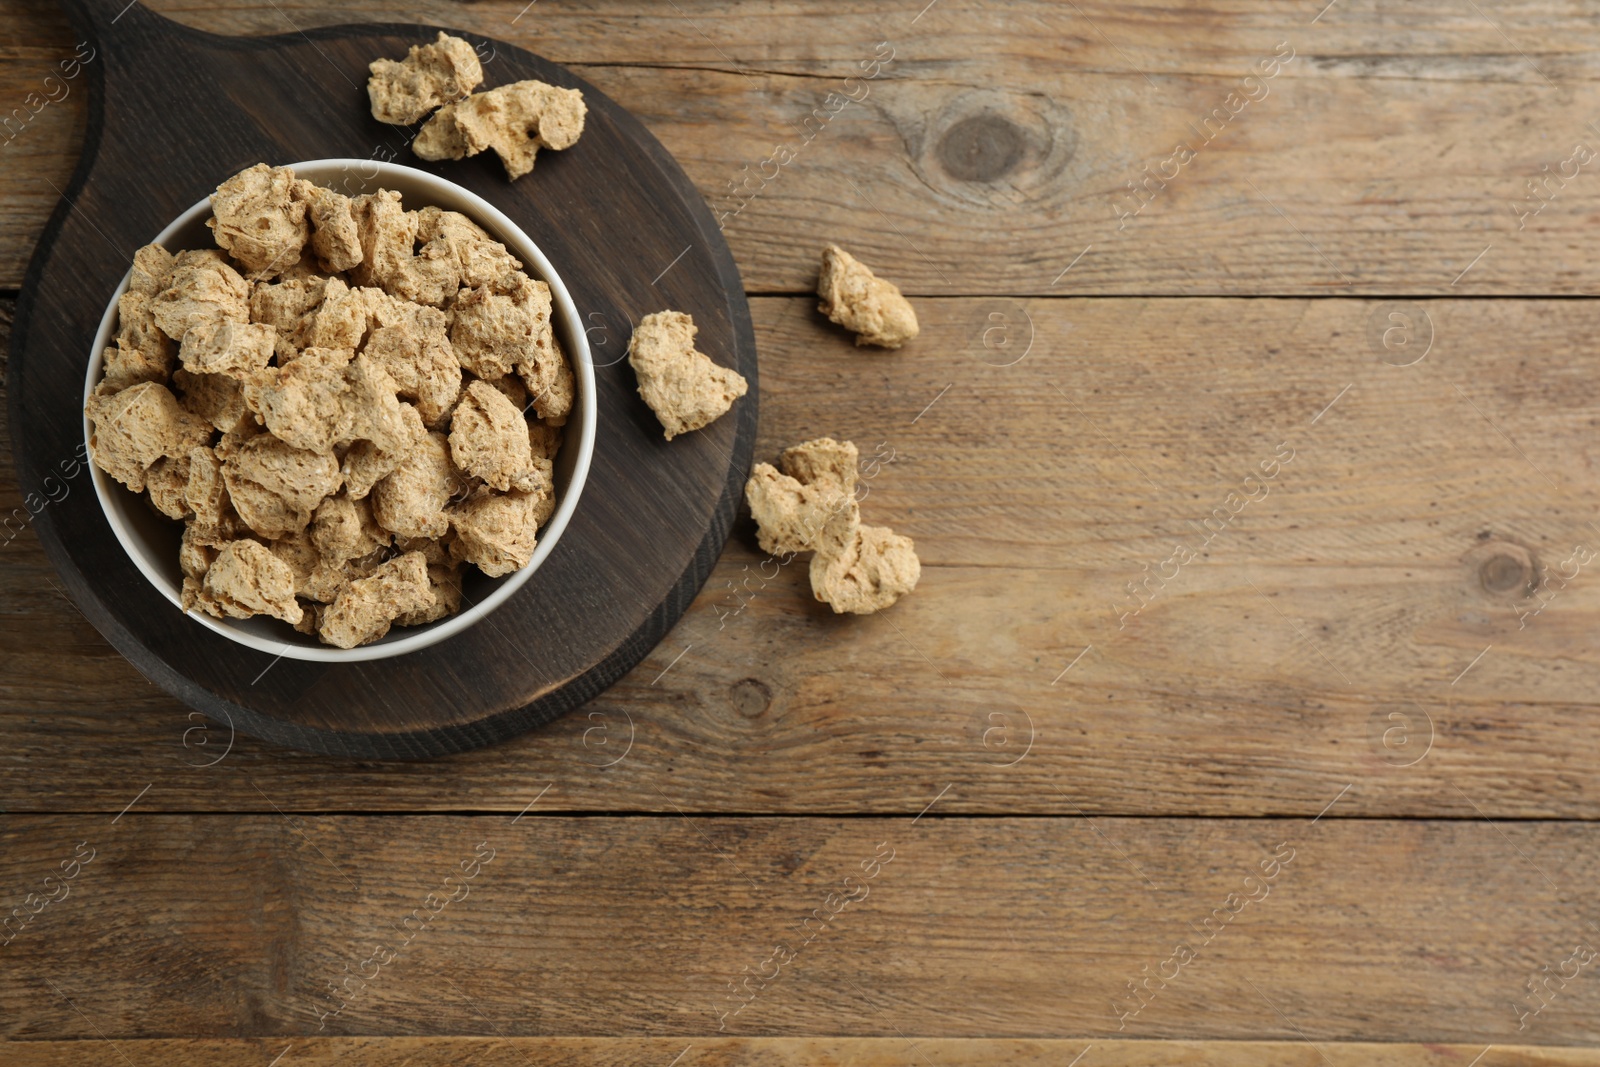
[(1245, 712)]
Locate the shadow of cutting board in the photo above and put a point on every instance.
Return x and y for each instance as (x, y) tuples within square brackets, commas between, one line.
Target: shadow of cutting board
[(173, 112)]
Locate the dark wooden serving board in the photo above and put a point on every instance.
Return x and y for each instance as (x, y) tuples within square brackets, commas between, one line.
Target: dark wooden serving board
[(172, 113)]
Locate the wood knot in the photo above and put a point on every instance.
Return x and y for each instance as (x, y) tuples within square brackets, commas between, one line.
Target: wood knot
[(989, 148), (751, 698), (1506, 569), (982, 148)]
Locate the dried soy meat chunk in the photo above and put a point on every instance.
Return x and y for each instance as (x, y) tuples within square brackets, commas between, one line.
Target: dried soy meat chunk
[(868, 306), (402, 91), (515, 120), (683, 387)]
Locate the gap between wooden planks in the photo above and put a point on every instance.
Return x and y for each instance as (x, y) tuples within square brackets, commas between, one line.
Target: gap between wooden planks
[(1382, 158), (782, 1051), (1365, 630)]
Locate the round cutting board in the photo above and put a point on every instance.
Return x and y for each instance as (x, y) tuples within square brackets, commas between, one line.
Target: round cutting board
[(173, 112)]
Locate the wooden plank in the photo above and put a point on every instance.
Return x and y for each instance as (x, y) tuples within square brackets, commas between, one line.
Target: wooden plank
[(206, 927), (780, 1051), (1358, 626), (999, 143), (42, 126)]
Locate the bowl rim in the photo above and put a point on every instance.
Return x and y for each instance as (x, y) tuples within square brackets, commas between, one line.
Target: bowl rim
[(585, 408)]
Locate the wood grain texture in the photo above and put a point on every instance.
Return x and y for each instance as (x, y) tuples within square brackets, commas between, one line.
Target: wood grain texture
[(41, 145), (1329, 625), (654, 515), (195, 926), (1393, 151), (790, 1052), (1349, 645)]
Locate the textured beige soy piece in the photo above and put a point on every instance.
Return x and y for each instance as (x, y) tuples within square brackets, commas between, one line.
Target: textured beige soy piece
[(792, 505), (862, 569), (489, 439), (496, 531), (334, 237), (863, 303), (823, 461), (259, 218), (515, 120), (366, 608), (237, 349), (493, 326), (203, 288), (246, 579), (275, 486), (142, 352), (344, 385), (135, 427), (683, 387), (403, 91), (810, 506)]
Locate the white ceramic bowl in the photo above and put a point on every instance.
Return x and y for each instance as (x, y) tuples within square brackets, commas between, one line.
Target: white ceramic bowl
[(151, 539)]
